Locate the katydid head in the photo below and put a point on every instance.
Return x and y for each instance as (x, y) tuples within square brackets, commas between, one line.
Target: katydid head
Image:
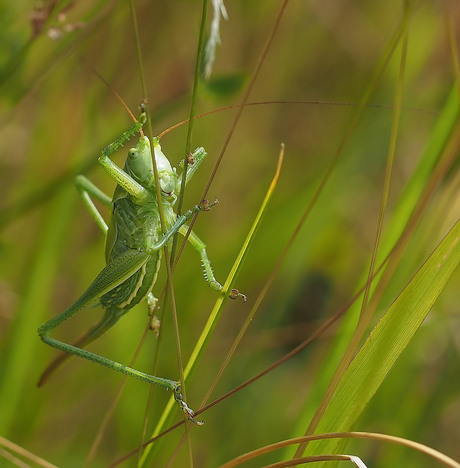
[(139, 162), (140, 165)]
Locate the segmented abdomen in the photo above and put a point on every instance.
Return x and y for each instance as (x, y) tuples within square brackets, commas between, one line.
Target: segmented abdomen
[(135, 288)]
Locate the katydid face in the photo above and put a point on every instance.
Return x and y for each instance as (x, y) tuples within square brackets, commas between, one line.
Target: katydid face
[(140, 164)]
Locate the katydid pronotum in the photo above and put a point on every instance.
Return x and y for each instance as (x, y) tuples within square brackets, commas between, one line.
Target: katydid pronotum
[(133, 245)]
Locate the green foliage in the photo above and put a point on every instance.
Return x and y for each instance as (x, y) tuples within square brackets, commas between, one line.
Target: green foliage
[(397, 373), (225, 86)]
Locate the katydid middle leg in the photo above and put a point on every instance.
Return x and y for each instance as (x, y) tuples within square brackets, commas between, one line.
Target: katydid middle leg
[(87, 190), (200, 247)]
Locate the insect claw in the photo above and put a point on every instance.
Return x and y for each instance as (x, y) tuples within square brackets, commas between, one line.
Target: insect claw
[(184, 407), (143, 105), (234, 294), (206, 205), (190, 159)]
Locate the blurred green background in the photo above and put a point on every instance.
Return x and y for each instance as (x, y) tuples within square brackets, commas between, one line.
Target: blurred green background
[(56, 115)]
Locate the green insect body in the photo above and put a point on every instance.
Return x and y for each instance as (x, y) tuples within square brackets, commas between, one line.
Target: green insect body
[(134, 241), (135, 225)]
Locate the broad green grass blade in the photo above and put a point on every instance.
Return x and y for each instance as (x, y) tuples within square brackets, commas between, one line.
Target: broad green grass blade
[(439, 137), (220, 303), (388, 340), (23, 341), (407, 202)]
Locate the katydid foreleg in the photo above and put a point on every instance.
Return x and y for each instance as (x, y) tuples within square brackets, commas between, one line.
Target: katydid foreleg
[(195, 160)]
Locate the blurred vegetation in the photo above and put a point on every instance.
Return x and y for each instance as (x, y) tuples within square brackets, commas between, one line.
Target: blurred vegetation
[(56, 115)]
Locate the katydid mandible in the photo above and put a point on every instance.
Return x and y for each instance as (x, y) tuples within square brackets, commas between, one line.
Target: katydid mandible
[(133, 245)]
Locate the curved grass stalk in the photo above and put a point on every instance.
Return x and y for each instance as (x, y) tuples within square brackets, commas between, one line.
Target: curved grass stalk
[(430, 452), (23, 453)]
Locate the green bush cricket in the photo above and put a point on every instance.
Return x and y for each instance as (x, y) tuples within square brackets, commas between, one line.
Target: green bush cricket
[(133, 246)]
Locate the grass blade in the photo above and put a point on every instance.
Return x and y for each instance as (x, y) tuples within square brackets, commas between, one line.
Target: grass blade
[(389, 339)]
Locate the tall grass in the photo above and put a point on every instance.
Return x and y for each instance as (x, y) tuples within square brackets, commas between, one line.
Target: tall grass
[(361, 233)]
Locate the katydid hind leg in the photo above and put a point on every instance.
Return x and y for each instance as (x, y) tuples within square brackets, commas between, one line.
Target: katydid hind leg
[(105, 281), (115, 273), (111, 317), (109, 363), (168, 384)]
